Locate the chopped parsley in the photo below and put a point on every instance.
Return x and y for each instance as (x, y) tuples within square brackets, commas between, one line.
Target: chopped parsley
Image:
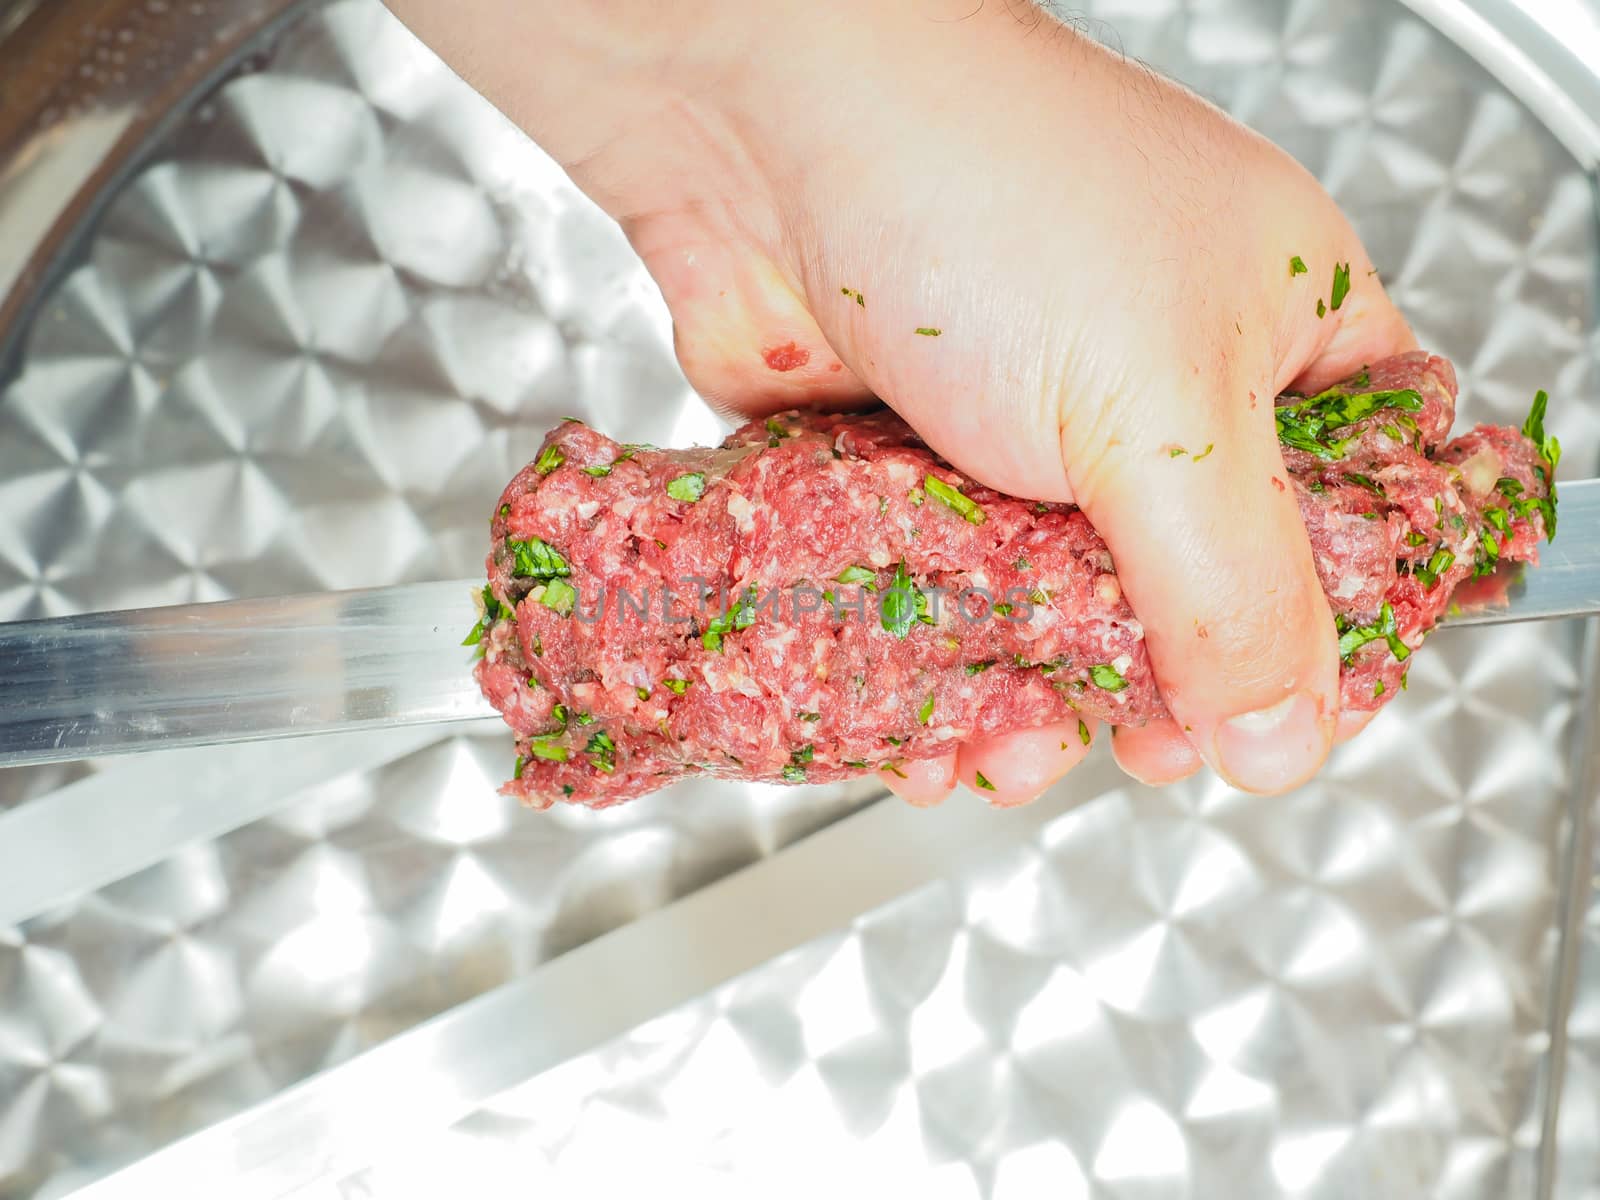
[(812, 717), (537, 559), (1022, 564), (1305, 423), (1083, 731), (1176, 452), (741, 616), (854, 574), (776, 428), (559, 595), (597, 472), (978, 668), (1366, 481), (1509, 488), (505, 510), (1377, 688), (794, 774), (925, 713), (687, 488), (1210, 446), (953, 499), (546, 747), (1415, 538), (1322, 309), (1550, 451), (602, 751), (549, 459), (1002, 610), (1341, 285), (516, 771), (1297, 266), (854, 295), (899, 607), (676, 686), (892, 766), (1441, 561), (928, 331), (643, 693), (982, 782), (1488, 556), (1353, 637), (1107, 677), (493, 610), (1497, 518)]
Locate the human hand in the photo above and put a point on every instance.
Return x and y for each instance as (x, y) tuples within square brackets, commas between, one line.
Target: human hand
[(1105, 258)]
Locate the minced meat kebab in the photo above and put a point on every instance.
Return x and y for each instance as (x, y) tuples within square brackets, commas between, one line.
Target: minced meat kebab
[(822, 597)]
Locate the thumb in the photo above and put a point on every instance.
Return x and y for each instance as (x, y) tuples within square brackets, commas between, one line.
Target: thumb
[(1194, 502)]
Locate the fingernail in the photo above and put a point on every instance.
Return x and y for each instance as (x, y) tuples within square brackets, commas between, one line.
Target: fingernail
[(1273, 749)]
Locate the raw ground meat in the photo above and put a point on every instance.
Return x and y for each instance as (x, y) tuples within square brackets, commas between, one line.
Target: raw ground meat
[(822, 597)]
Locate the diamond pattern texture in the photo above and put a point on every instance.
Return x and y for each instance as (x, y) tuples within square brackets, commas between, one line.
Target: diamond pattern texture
[(335, 310)]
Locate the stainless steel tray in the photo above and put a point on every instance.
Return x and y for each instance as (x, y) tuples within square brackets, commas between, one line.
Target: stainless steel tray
[(283, 305)]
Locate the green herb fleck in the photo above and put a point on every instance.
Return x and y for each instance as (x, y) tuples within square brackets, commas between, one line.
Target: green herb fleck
[(1377, 688), (855, 574), (925, 713), (1176, 452), (953, 499), (602, 752), (1488, 556), (928, 331), (854, 295), (1441, 561), (1107, 677), (1341, 284), (1416, 539), (1083, 731), (1367, 482), (1353, 637), (898, 610), (812, 717), (676, 686), (687, 488), (1210, 446), (546, 747), (516, 771), (1550, 452), (643, 693), (982, 782), (1322, 309), (1002, 610), (549, 459), (505, 510), (794, 774), (741, 616), (978, 668), (537, 559), (1297, 266), (597, 472), (559, 596)]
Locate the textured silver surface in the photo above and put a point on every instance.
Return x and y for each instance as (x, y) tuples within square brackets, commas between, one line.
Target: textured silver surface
[(304, 348)]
